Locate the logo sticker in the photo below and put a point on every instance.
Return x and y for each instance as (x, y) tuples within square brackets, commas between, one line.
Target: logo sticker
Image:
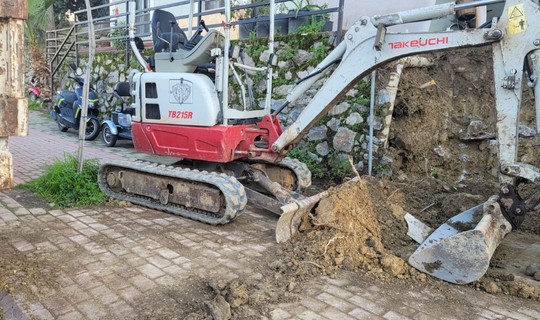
[(180, 91)]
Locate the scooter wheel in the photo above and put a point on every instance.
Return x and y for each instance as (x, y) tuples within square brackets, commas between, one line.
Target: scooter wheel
[(108, 137), (61, 127), (92, 129)]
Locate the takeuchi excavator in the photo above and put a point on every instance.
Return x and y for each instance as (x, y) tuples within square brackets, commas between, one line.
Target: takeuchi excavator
[(228, 156)]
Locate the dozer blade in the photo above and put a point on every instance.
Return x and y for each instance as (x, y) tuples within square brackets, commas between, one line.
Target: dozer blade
[(292, 215), (459, 251)]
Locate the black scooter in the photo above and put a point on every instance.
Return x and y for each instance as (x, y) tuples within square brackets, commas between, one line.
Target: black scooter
[(67, 110)]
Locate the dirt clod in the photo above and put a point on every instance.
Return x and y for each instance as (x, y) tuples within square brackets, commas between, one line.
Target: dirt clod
[(219, 308)]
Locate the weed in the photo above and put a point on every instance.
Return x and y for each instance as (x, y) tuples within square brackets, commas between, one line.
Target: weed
[(338, 167), (317, 170), (35, 105), (319, 53), (62, 185), (288, 54), (316, 25), (120, 32)]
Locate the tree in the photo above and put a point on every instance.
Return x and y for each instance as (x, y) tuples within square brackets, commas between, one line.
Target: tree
[(40, 18), (63, 6)]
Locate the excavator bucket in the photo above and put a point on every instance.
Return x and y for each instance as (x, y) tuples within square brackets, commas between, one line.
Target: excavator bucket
[(459, 251)]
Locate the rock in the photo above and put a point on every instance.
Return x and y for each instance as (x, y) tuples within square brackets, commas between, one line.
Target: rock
[(283, 90), (344, 139), (383, 97), (294, 115), (365, 146), (302, 57), (291, 286), (478, 130), (339, 109), (314, 157), (333, 124), (377, 124), (278, 103), (351, 93), (284, 64), (537, 276), (440, 151), (359, 166), (360, 108), (264, 56), (302, 74), (322, 148), (354, 118), (317, 133), (217, 285), (532, 269), (288, 75), (385, 160), (219, 308), (526, 132)]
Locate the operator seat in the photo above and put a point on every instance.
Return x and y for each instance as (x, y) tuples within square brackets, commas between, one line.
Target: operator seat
[(164, 26), (187, 61)]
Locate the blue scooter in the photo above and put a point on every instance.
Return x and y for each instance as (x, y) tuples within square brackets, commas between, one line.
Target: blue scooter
[(119, 126), (67, 110)]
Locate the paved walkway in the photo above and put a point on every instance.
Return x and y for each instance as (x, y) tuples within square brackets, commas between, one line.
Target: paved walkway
[(125, 263)]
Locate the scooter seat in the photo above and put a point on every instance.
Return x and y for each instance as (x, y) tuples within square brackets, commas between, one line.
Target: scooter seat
[(68, 96)]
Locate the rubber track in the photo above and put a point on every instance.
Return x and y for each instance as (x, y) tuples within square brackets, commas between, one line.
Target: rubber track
[(232, 190), (303, 175)]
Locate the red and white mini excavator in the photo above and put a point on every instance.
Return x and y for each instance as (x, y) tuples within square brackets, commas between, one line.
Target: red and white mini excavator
[(229, 156)]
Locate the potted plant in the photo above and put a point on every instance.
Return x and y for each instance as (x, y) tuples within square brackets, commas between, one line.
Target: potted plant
[(281, 24), (302, 7)]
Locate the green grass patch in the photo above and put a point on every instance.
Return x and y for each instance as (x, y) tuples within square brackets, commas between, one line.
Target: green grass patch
[(62, 185), (35, 105)]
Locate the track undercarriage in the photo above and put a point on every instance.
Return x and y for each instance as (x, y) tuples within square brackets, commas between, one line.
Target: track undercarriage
[(212, 193)]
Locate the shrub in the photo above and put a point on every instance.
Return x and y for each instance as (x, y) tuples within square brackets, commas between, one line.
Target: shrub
[(62, 185)]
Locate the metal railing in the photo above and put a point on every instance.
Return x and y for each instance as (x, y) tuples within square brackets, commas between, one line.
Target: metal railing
[(111, 30)]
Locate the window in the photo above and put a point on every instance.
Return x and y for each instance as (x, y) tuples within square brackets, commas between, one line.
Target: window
[(143, 18), (213, 4), (150, 90)]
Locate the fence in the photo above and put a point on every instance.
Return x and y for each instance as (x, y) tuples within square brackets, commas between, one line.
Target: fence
[(111, 30)]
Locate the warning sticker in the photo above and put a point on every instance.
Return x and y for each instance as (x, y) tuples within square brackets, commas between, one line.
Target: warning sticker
[(516, 19)]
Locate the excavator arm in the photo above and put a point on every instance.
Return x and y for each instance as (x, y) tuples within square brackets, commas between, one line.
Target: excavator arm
[(367, 46), (450, 253)]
